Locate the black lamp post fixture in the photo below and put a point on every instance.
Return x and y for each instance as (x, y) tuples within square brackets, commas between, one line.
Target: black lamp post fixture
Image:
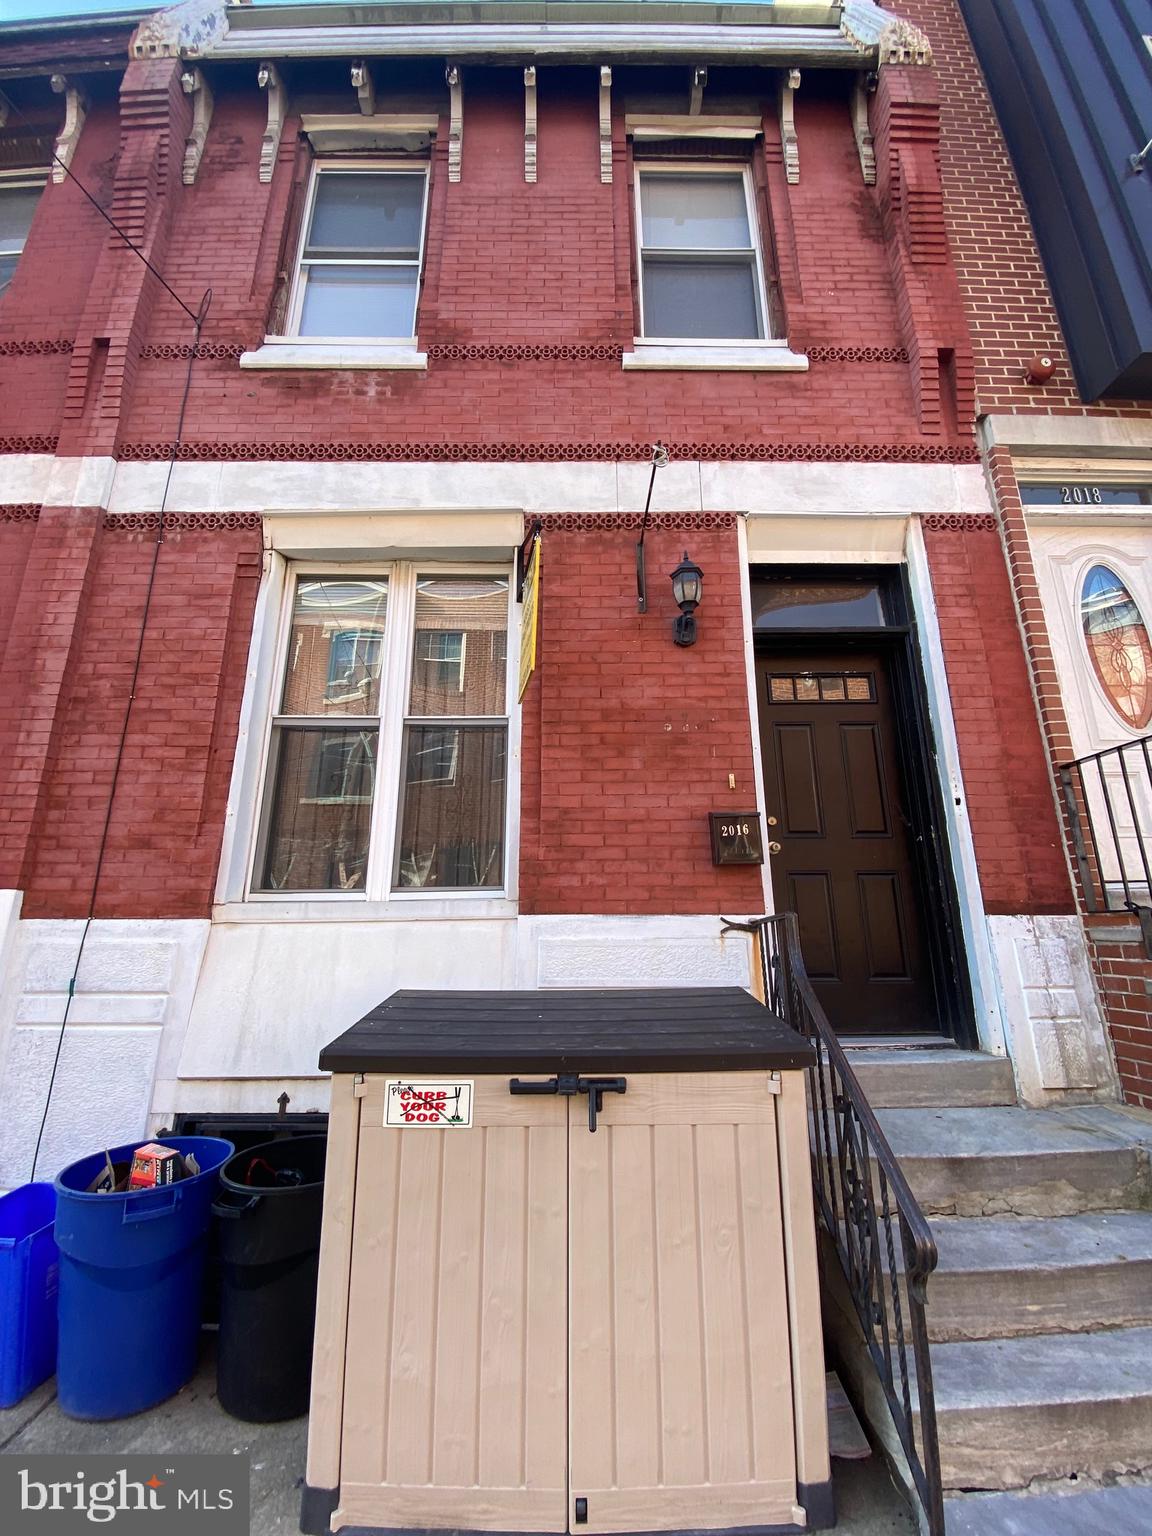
[(687, 586)]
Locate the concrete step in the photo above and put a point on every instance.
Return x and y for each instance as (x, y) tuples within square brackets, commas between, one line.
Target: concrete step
[(1022, 1162), (1003, 1277), (916, 1077), (1053, 1406), (1121, 1511)]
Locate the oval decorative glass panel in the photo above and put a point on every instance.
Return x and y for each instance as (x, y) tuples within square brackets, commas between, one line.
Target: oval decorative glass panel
[(1119, 645)]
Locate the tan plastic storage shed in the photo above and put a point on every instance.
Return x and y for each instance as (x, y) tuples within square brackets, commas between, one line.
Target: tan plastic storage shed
[(524, 1325)]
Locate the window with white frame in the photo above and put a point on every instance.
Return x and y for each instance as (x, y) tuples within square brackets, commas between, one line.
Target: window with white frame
[(361, 250), (387, 745), (18, 198), (701, 270)]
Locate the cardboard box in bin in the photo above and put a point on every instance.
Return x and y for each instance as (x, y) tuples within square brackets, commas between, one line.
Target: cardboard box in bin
[(153, 1166)]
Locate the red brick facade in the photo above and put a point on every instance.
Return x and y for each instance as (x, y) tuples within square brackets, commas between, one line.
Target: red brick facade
[(527, 302)]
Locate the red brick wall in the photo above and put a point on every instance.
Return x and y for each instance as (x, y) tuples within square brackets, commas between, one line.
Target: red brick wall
[(16, 537), (628, 739), (1124, 974), (164, 841), (508, 264), (1006, 293), (1019, 848)]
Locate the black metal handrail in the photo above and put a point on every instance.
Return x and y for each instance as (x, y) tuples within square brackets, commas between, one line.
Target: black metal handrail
[(867, 1209), (1108, 803)]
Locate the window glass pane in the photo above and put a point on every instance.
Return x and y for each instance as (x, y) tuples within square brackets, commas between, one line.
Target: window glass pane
[(707, 299), (7, 267), (452, 820), (460, 650), (366, 213), (694, 213), (17, 205), (359, 301), (321, 807), (335, 647), (816, 604), (1118, 644)]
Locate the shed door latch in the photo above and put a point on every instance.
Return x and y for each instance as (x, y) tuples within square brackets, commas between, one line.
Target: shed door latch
[(569, 1083)]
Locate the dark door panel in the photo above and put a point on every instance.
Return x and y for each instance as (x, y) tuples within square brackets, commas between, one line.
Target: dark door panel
[(832, 768)]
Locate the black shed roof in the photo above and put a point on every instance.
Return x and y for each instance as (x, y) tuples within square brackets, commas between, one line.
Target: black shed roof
[(663, 1029)]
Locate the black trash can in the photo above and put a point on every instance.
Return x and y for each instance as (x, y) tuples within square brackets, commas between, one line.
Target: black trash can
[(268, 1215)]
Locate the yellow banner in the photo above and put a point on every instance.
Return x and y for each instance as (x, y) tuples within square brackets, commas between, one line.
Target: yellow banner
[(528, 619)]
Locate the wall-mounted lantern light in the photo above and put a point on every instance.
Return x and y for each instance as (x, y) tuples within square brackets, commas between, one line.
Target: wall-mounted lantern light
[(687, 586)]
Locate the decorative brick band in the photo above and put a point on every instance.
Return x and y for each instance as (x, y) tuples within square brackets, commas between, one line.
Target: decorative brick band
[(28, 444), (959, 522), (221, 350), (857, 354), (35, 348), (607, 522), (526, 352), (554, 453), (181, 522), (20, 512)]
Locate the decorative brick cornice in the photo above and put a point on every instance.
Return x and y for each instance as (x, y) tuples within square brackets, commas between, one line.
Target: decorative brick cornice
[(856, 354), (41, 348), (551, 453), (526, 352), (960, 522), (181, 522), (220, 350), (29, 443), (20, 512), (606, 522)]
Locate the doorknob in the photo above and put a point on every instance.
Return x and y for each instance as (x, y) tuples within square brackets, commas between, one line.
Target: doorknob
[(774, 847)]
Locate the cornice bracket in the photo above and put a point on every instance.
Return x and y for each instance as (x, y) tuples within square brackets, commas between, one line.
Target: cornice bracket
[(788, 140), (75, 111), (530, 123), (365, 88), (606, 123), (268, 79), (861, 131), (455, 120), (699, 84), (193, 83)]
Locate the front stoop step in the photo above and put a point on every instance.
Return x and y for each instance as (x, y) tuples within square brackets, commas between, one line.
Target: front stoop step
[(1022, 1162), (1008, 1276), (1013, 1410), (911, 1077), (1121, 1511)]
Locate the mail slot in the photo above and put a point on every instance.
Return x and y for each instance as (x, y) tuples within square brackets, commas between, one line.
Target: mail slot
[(568, 1270)]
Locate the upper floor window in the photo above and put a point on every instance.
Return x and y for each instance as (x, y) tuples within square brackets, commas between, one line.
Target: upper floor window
[(18, 199), (701, 273), (358, 271)]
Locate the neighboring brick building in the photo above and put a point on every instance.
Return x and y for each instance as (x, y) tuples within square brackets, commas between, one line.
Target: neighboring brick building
[(462, 279)]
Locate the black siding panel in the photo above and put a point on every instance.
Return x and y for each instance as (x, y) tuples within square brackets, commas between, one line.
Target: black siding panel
[(1071, 81)]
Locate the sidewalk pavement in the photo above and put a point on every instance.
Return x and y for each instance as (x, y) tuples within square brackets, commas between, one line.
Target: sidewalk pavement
[(193, 1420)]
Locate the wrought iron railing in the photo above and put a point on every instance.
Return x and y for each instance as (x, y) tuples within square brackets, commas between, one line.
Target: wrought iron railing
[(1108, 802), (867, 1210)]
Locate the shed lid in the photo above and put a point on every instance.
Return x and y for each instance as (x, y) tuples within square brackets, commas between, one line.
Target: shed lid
[(625, 1029)]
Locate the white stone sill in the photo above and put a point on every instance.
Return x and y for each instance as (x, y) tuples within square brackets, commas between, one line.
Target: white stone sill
[(417, 907), (759, 357), (282, 352)]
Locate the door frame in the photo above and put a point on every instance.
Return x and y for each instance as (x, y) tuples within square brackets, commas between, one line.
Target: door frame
[(936, 884)]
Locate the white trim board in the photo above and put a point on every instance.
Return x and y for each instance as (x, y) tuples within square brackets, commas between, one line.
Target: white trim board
[(275, 488)]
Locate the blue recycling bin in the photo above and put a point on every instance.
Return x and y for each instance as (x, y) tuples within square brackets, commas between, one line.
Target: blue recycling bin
[(28, 1271), (131, 1267)]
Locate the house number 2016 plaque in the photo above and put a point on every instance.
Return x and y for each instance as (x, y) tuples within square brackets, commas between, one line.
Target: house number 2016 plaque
[(736, 837)]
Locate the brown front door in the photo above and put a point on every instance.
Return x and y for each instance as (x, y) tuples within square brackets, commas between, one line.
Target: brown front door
[(833, 782)]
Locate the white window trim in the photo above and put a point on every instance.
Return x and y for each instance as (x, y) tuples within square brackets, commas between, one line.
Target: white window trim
[(761, 354), (236, 895), (291, 350)]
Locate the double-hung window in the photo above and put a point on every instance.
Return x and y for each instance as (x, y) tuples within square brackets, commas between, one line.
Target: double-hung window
[(701, 274), (358, 271), (386, 767), (18, 198)]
